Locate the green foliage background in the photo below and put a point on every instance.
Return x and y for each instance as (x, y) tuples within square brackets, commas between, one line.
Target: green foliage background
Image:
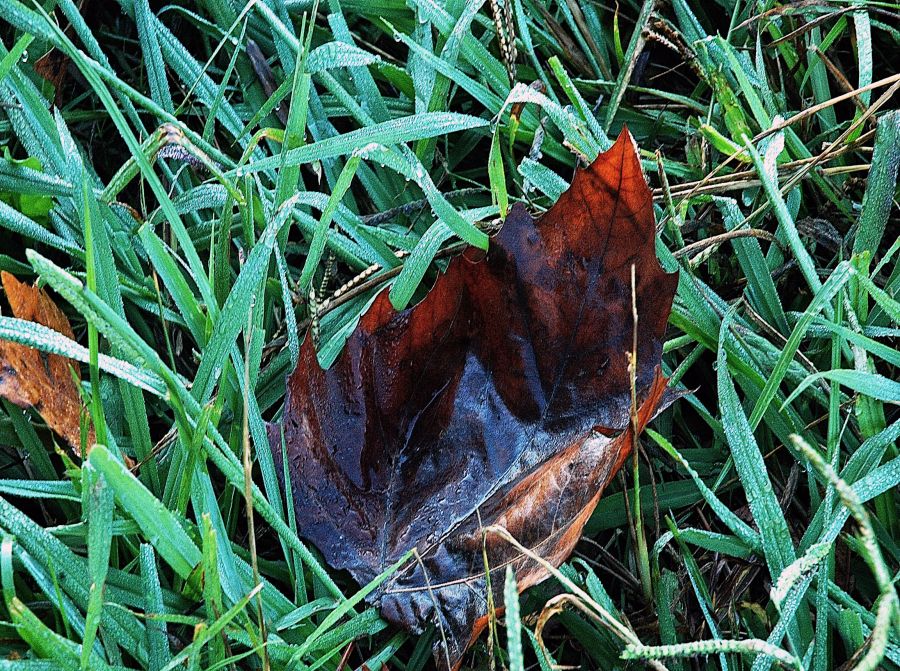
[(204, 176)]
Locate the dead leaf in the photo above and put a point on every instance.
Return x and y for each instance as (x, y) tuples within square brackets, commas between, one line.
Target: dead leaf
[(53, 67), (503, 398), (33, 379)]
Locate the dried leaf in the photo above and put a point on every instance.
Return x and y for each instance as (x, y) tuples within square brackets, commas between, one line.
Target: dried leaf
[(33, 379), (503, 398), (53, 67)]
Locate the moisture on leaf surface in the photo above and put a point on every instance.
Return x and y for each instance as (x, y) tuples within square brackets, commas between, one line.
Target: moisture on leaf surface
[(503, 398)]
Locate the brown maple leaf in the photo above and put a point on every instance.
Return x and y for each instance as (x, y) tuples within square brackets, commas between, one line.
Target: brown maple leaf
[(32, 379), (503, 398)]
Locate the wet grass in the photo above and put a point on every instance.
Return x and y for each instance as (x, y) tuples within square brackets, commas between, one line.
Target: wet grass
[(200, 183)]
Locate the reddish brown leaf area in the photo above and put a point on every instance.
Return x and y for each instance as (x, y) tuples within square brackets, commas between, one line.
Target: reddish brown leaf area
[(30, 378), (53, 67), (503, 398)]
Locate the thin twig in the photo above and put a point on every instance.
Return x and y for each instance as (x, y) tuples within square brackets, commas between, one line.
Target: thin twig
[(723, 237)]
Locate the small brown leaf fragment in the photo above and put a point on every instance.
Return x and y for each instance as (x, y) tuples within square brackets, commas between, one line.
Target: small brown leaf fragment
[(33, 379), (53, 67), (502, 399)]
